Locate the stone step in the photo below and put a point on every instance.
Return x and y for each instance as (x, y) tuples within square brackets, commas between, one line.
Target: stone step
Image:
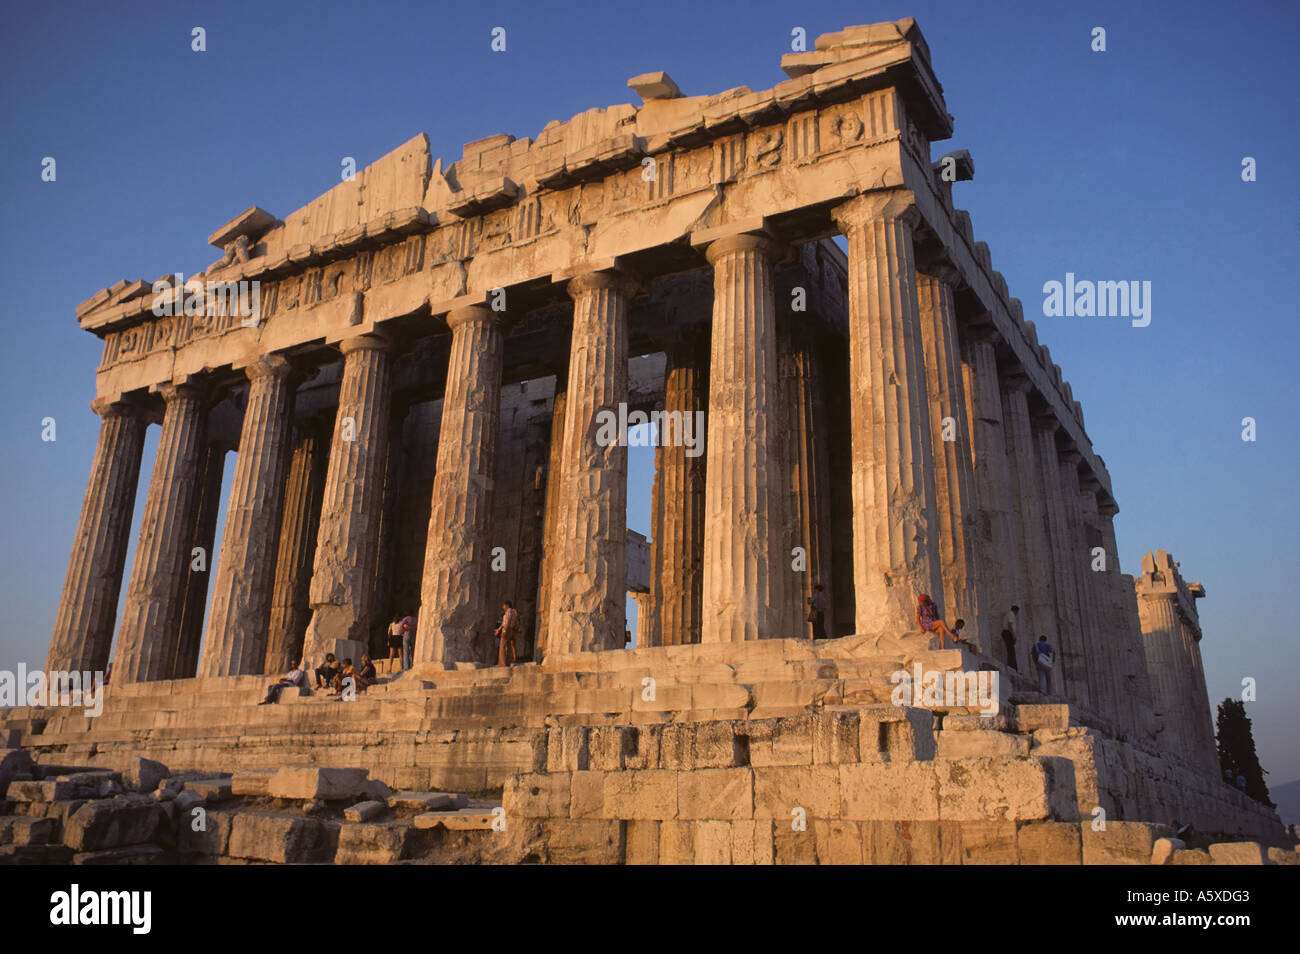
[(27, 830)]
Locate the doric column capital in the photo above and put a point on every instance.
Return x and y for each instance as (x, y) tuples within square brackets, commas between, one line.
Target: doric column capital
[(374, 341), (481, 314), (745, 242), (1107, 507), (1070, 455), (1016, 380), (874, 206), (192, 387), (120, 407), (1045, 420), (269, 365), (607, 278), (940, 271)]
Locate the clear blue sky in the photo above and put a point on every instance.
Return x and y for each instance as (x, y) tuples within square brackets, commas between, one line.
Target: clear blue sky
[(1117, 165)]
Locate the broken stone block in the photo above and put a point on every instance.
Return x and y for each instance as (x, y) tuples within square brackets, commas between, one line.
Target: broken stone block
[(468, 819), (186, 801), (1030, 718), (1237, 853), (1190, 856), (371, 844), (206, 833), (13, 763), (427, 801), (1162, 852), (1283, 856), (113, 822), (29, 831), (218, 789), (317, 783), (363, 811), (286, 839), (140, 775), (248, 783)]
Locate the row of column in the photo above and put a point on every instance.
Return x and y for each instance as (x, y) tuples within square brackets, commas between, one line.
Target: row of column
[(957, 490)]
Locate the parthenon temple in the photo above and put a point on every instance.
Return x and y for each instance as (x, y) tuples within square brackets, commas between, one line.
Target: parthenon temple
[(414, 396)]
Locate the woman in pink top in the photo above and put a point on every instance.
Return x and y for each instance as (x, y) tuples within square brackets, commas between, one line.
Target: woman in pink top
[(927, 614)]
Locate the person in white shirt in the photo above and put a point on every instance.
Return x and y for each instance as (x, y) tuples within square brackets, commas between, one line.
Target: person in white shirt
[(1009, 636), (292, 678)]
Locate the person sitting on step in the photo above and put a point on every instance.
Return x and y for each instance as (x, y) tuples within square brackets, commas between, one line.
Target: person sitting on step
[(325, 673), (292, 678), (927, 615), (366, 676)]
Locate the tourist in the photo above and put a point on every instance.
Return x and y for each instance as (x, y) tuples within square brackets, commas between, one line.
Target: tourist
[(395, 635), (927, 615), (292, 678), (1044, 658), (326, 672), (1009, 635), (957, 627), (817, 611), (506, 634), (366, 675), (345, 677), (408, 642)]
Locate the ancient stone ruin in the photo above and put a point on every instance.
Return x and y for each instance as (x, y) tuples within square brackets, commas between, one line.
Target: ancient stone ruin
[(418, 372)]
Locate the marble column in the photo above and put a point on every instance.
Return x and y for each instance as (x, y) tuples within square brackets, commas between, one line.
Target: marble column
[(647, 619), (1037, 599), (83, 627), (195, 607), (342, 586), (950, 436), (1002, 581), (244, 584), (150, 630), (645, 612), (681, 490), (455, 619), (895, 523), (1132, 680), (1072, 666), (745, 510), (1099, 586), (1079, 560), (588, 579), (552, 535), (303, 489), (808, 469)]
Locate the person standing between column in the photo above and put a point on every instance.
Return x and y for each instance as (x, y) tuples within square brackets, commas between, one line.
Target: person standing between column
[(506, 634), (1044, 658), (408, 642), (396, 640), (817, 611), (1009, 635)]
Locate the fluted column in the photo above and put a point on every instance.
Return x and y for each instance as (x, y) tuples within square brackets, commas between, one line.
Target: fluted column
[(1070, 647), (1001, 544), (645, 613), (195, 604), (347, 541), (745, 510), (1037, 599), (950, 435), (303, 488), (150, 631), (588, 580), (242, 590), (1079, 559), (457, 559), (1170, 671), (895, 524), (1099, 586), (83, 627), (680, 561), (808, 470), (552, 532)]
